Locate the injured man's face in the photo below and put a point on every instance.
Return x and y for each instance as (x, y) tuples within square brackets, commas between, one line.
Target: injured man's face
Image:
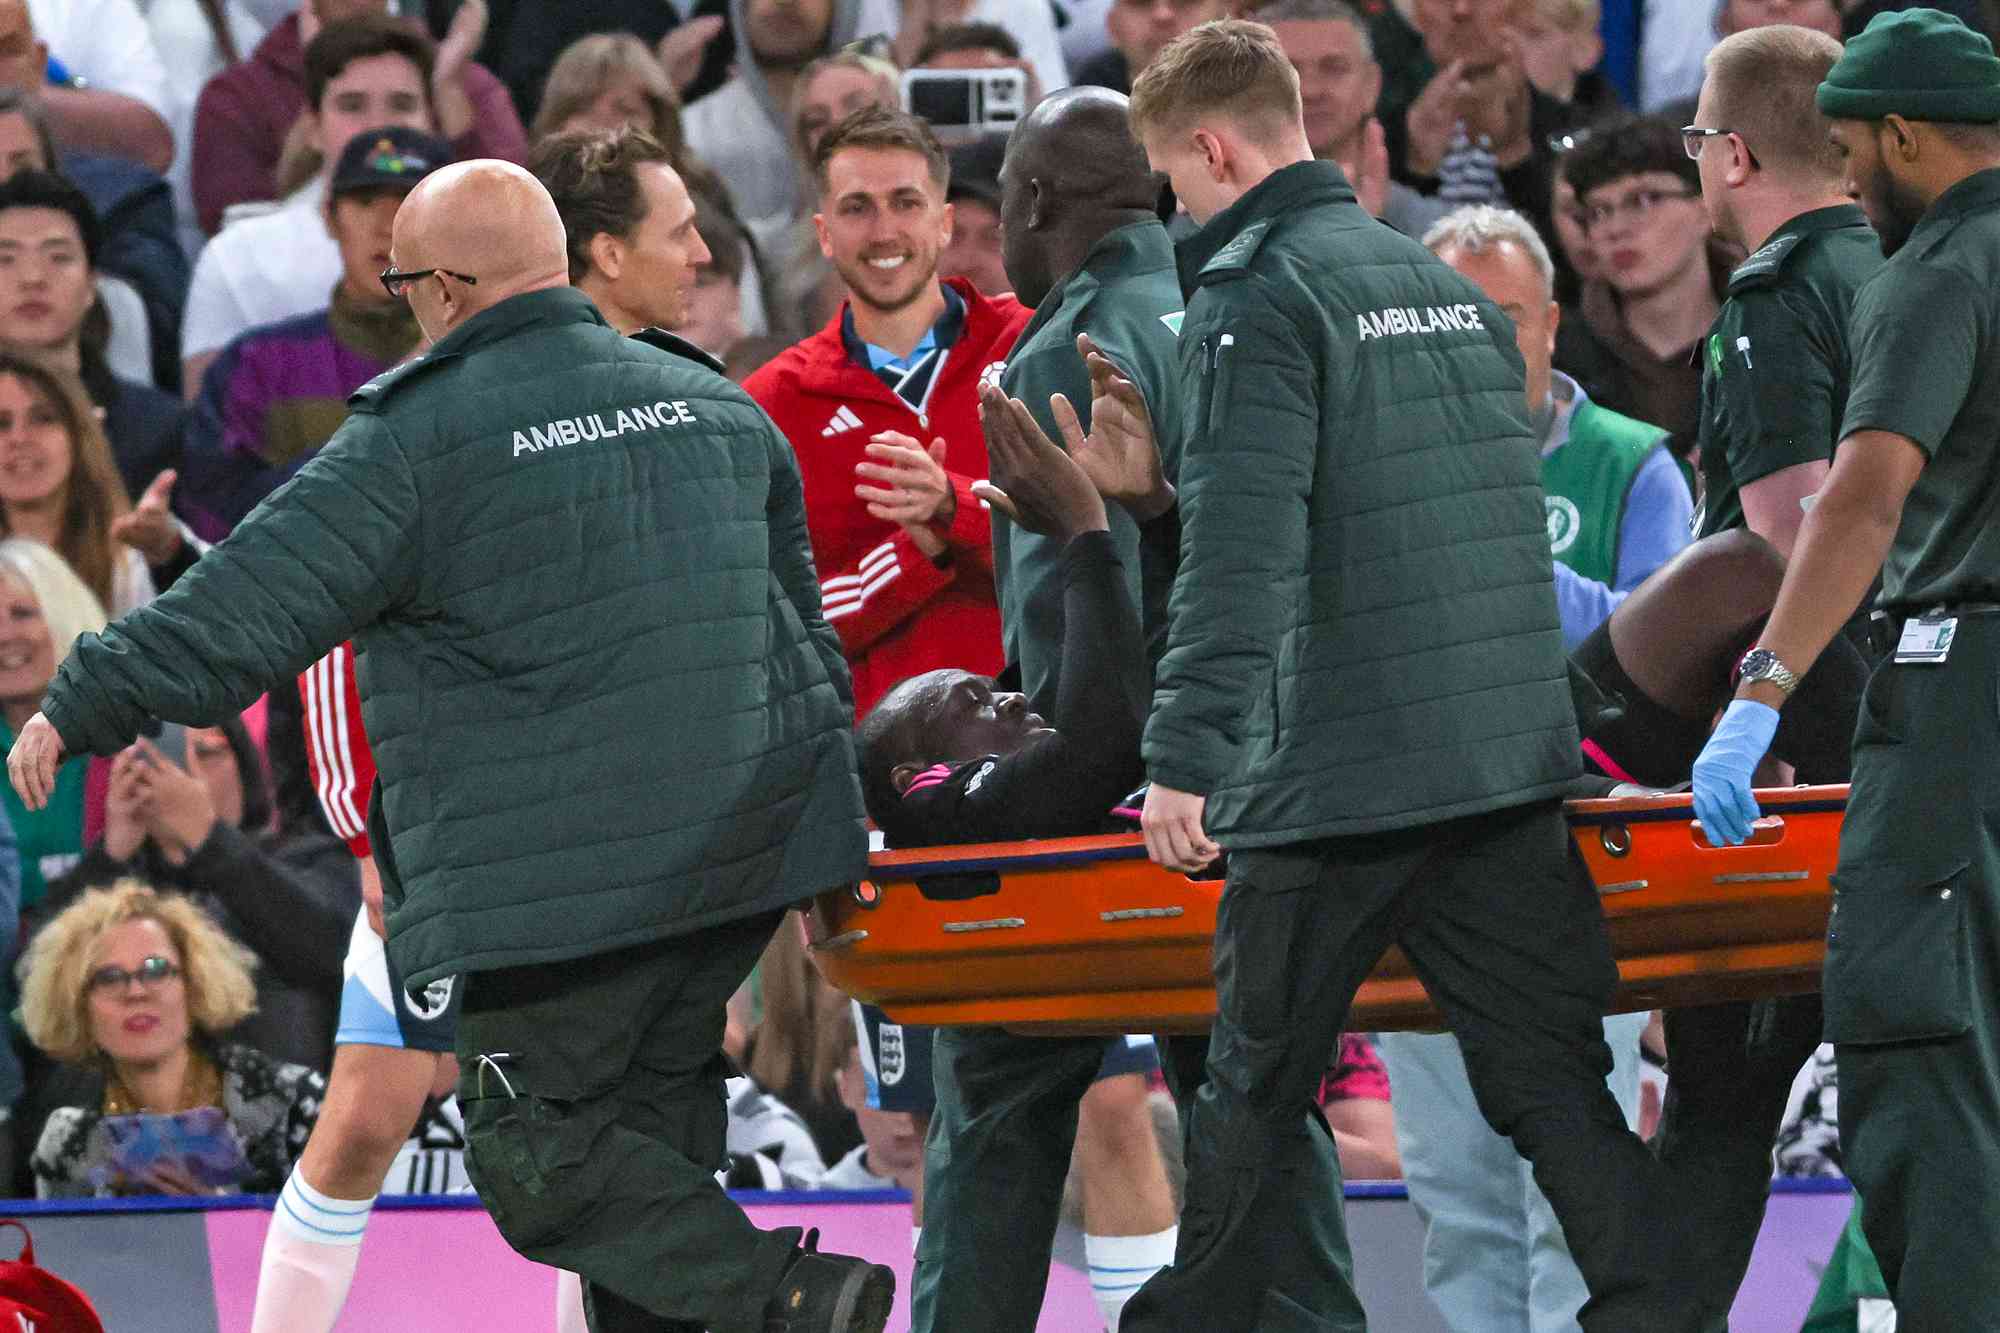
[(954, 715)]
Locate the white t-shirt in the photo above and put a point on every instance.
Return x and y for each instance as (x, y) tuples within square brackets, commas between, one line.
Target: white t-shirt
[(187, 47), (259, 271), (109, 44)]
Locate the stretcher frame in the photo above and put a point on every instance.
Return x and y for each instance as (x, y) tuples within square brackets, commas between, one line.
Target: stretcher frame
[(1084, 935)]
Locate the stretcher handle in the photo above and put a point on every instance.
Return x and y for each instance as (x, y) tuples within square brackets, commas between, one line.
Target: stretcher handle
[(1766, 831)]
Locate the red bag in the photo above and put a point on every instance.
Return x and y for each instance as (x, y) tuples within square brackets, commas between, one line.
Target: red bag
[(34, 1300)]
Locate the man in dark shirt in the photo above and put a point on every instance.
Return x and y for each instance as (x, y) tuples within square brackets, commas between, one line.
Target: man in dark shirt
[(1911, 985), (1774, 369), (1773, 389), (949, 757)]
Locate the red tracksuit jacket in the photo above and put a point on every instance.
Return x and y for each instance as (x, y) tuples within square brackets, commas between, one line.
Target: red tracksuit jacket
[(897, 613)]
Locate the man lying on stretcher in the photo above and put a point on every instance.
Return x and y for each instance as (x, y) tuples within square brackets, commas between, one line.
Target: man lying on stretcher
[(1649, 681), (946, 757)]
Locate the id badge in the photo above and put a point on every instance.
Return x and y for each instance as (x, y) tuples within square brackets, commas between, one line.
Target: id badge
[(1926, 639)]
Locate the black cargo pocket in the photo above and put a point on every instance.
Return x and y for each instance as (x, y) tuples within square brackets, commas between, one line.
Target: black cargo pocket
[(1261, 963), (1898, 953), (1279, 1313), (527, 1157)]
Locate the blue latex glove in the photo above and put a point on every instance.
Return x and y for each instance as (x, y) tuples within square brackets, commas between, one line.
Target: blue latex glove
[(1722, 799)]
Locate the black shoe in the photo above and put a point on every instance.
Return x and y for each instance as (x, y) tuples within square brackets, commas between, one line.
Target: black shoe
[(830, 1293)]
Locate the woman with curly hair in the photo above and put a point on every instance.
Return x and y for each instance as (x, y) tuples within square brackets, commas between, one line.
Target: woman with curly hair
[(138, 987)]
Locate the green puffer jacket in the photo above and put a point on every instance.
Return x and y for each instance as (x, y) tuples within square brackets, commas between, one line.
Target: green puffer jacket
[(1363, 633), (1127, 297), (603, 702)]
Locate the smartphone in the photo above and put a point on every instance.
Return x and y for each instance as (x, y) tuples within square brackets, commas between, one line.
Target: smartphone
[(965, 103), (172, 741), (199, 1142)]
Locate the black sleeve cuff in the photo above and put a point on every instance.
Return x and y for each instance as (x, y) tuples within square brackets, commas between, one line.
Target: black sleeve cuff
[(1089, 549)]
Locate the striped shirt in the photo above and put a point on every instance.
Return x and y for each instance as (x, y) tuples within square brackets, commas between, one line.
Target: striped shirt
[(343, 767)]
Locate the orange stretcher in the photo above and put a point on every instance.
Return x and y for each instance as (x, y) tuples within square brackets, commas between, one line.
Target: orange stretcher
[(1085, 935)]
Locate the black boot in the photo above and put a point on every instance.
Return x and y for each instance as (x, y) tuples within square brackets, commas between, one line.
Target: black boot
[(830, 1293)]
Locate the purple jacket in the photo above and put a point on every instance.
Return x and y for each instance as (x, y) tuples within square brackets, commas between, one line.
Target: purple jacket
[(244, 113), (274, 396)]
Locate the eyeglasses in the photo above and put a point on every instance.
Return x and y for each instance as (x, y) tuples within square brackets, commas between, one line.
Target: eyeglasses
[(1637, 205), (396, 281), (152, 973), (1695, 137)]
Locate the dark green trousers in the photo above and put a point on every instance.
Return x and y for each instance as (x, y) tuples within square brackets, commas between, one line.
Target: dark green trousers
[(1913, 981), (1505, 930), (994, 1166), (594, 1133)]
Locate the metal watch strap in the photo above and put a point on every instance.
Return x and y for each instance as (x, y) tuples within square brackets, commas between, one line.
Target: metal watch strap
[(1761, 664)]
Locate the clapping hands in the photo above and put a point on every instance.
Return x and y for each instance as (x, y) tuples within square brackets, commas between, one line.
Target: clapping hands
[(1030, 480)]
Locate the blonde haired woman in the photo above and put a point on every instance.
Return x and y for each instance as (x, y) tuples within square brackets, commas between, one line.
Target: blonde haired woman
[(606, 81), (138, 987), (44, 606)]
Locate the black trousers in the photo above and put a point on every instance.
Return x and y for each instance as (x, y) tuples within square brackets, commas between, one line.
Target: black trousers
[(1503, 925), (1730, 1066), (594, 1133)]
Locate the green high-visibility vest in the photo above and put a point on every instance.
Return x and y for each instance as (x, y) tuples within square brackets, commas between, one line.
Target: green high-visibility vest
[(1586, 484)]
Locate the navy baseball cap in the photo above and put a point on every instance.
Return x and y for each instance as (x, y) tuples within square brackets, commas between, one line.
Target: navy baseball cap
[(394, 158)]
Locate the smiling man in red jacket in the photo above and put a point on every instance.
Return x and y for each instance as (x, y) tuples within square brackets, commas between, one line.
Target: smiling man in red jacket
[(881, 407)]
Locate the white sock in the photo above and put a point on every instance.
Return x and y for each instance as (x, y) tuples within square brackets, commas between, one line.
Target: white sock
[(569, 1302), (1120, 1265), (309, 1256)]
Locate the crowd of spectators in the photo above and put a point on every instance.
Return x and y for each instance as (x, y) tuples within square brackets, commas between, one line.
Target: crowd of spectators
[(195, 202)]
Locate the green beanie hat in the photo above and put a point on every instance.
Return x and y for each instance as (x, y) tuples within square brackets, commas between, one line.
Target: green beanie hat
[(1916, 63)]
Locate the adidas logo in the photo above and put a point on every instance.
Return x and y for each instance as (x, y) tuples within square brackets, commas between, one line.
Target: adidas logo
[(841, 422)]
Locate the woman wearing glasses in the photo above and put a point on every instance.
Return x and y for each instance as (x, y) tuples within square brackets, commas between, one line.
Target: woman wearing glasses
[(138, 987)]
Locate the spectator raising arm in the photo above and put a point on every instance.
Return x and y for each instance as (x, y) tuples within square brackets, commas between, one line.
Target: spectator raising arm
[(474, 109), (94, 66)]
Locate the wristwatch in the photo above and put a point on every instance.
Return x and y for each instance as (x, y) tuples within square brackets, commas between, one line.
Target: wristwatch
[(1761, 664)]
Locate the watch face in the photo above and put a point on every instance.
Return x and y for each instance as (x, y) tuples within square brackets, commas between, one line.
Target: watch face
[(1758, 662)]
